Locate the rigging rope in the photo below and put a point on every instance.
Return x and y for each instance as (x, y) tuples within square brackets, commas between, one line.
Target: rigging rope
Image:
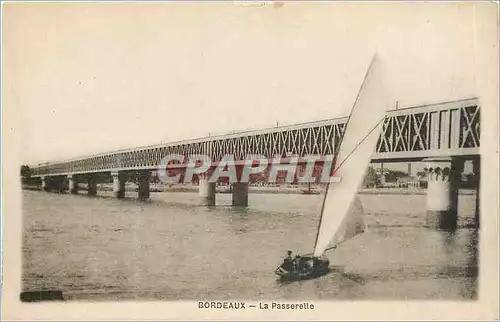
[(360, 142)]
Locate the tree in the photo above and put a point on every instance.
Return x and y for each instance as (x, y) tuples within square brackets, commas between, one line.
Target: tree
[(372, 179), (25, 173), (394, 175), (421, 174)]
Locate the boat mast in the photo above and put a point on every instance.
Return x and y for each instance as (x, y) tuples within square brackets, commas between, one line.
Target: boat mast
[(337, 147)]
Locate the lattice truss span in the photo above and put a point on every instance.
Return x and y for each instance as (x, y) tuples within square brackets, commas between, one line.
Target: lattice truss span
[(450, 128)]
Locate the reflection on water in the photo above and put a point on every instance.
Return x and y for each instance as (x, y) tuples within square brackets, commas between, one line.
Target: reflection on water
[(174, 248)]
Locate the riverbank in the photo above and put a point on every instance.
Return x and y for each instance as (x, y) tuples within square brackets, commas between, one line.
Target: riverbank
[(263, 189)]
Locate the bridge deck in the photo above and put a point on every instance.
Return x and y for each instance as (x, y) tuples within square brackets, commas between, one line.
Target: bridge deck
[(409, 134)]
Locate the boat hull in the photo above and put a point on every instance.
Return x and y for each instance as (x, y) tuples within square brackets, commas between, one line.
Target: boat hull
[(320, 267)]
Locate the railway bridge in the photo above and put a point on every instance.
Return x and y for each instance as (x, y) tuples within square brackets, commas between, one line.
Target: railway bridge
[(443, 135)]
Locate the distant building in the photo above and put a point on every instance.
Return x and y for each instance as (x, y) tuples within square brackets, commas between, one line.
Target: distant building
[(408, 182)]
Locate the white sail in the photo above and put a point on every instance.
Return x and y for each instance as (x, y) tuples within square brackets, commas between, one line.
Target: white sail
[(351, 225), (340, 219)]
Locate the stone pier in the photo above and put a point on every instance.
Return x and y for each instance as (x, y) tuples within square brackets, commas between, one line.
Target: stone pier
[(240, 194), (53, 183), (43, 185), (206, 190), (118, 184), (72, 184), (143, 179), (476, 163), (442, 192), (92, 185), (382, 175)]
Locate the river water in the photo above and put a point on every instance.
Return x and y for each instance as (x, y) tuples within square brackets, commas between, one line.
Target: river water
[(173, 248)]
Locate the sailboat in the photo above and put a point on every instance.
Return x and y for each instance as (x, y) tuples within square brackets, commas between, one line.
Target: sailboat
[(341, 212)]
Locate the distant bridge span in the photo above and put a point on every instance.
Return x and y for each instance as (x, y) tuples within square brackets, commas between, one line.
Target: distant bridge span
[(409, 134)]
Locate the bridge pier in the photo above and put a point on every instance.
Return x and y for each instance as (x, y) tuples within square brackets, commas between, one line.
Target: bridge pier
[(206, 190), (53, 183), (72, 184), (382, 174), (143, 179), (476, 163), (442, 192), (118, 184), (92, 185), (240, 194), (43, 181)]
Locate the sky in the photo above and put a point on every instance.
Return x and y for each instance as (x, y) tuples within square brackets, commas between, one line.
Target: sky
[(86, 78)]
